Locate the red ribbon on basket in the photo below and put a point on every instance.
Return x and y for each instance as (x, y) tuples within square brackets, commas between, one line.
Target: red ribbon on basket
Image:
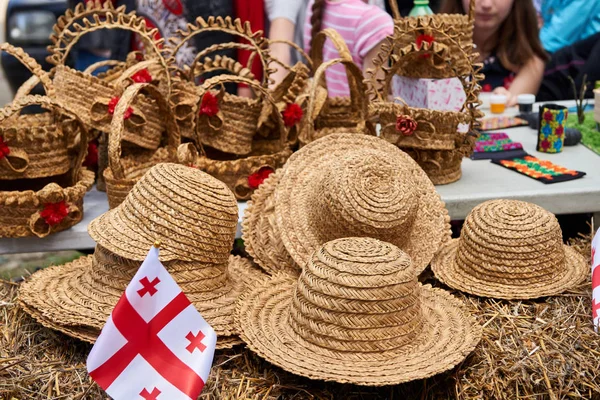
[(256, 179), (4, 149), (55, 213), (292, 114)]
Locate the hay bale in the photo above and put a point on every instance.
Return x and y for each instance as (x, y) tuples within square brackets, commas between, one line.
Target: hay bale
[(530, 349)]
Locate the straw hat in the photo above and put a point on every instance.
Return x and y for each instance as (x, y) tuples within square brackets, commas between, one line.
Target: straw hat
[(509, 249), (346, 185), (194, 216), (357, 314)]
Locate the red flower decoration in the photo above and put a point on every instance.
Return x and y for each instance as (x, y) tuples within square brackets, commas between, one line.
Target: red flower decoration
[(487, 88), (256, 179), (4, 150), (406, 125), (548, 116), (424, 38), (209, 105), (292, 114), (91, 160), (55, 213), (142, 76), (112, 104)]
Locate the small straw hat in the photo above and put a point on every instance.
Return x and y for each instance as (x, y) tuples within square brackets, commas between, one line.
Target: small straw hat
[(195, 218), (509, 249), (347, 185), (357, 314)]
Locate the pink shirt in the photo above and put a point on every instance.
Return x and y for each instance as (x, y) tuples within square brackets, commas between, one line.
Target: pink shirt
[(361, 25)]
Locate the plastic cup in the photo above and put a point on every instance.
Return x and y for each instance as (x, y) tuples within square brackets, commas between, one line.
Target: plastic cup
[(525, 102), (498, 103)]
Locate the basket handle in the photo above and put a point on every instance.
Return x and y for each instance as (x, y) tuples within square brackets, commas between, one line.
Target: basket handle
[(118, 125), (357, 91), (318, 45), (217, 80), (394, 7), (39, 75), (299, 49), (104, 16), (57, 109), (221, 63), (256, 42), (472, 10), (99, 64)]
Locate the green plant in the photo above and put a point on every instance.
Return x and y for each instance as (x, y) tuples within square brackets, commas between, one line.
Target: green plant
[(579, 98)]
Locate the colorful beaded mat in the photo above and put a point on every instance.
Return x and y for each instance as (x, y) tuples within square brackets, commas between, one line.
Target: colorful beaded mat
[(492, 123), (497, 146), (542, 170)]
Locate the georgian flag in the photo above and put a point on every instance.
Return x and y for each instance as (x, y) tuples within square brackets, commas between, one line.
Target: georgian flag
[(155, 344), (596, 280)]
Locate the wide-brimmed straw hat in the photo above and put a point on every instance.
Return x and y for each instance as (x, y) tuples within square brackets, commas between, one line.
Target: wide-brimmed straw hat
[(195, 218), (509, 249), (345, 185), (357, 314)]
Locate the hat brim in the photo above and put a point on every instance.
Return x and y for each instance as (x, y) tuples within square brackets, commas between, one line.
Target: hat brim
[(446, 269), (430, 228), (448, 336), (66, 298), (260, 233)]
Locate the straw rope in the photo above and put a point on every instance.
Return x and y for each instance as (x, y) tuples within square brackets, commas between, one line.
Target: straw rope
[(344, 338), (509, 249)]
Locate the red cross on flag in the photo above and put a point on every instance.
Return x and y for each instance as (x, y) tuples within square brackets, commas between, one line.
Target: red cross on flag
[(596, 280), (155, 344)]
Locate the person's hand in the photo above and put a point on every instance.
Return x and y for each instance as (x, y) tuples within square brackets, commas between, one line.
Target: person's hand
[(511, 99)]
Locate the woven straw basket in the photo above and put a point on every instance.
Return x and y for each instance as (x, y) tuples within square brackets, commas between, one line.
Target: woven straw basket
[(326, 115), (196, 234), (94, 98), (239, 116), (123, 173), (357, 314), (53, 203), (437, 140), (238, 173), (510, 249), (37, 144), (448, 36)]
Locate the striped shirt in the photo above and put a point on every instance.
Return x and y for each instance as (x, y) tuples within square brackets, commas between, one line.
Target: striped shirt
[(361, 25)]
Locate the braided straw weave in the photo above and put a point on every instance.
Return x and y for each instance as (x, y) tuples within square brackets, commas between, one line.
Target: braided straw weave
[(23, 203), (452, 33), (510, 249), (195, 218), (89, 96), (122, 174), (236, 172), (357, 314), (327, 115), (441, 138), (349, 185)]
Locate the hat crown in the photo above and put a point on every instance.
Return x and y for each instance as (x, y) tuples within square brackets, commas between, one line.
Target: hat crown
[(511, 242), (365, 193), (193, 215), (358, 295)]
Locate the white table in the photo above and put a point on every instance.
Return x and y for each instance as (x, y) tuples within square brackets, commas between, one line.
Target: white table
[(481, 181)]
